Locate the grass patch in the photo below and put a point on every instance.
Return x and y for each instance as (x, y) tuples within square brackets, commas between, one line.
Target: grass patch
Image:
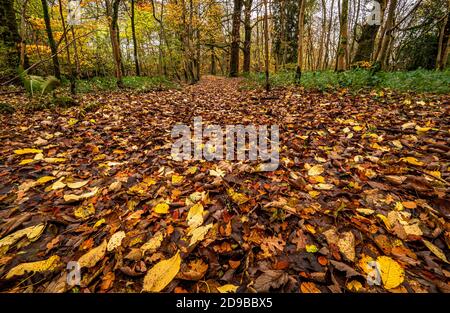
[(414, 81), (141, 84)]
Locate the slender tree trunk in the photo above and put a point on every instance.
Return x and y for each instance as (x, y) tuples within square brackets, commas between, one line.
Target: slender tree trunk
[(113, 14), (51, 40), (301, 26), (23, 45), (322, 36), (343, 38), (266, 46), (69, 62), (327, 44), (133, 33), (247, 35), (235, 39), (386, 38)]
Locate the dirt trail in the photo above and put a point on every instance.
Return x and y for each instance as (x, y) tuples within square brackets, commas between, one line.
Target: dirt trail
[(371, 171)]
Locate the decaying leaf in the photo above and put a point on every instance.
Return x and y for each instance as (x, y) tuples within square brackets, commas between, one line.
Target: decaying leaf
[(160, 275), (49, 264), (93, 256), (115, 240)]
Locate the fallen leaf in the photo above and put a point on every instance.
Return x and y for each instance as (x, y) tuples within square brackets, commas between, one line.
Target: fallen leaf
[(160, 275), (93, 256), (49, 264)]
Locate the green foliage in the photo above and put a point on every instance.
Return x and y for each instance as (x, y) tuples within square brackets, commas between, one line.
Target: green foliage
[(357, 79), (141, 84), (38, 84)]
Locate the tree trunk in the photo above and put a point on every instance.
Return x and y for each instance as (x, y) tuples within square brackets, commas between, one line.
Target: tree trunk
[(343, 38), (327, 45), (248, 35), (322, 35), (69, 63), (135, 48), (301, 26), (51, 40), (387, 36), (266, 46), (112, 10), (235, 39), (444, 42), (301, 22)]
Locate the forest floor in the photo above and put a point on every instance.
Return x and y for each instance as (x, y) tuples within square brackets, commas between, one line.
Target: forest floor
[(359, 203)]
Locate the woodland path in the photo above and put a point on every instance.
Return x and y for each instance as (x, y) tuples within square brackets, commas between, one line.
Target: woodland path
[(363, 177)]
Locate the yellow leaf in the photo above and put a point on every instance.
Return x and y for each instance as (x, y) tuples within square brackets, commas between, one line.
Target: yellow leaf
[(153, 244), (354, 285), (324, 186), (161, 208), (45, 179), (72, 198), (54, 160), (195, 216), (311, 248), (177, 179), (84, 212), (160, 275), (40, 266), (199, 233), (32, 233), (27, 151), (399, 206), (412, 161), (115, 240), (392, 274), (437, 252), (357, 128), (72, 121), (227, 288), (422, 129), (99, 222), (316, 170), (365, 211), (314, 193), (192, 170), (93, 256), (26, 161), (238, 198), (310, 228), (77, 184), (57, 185)]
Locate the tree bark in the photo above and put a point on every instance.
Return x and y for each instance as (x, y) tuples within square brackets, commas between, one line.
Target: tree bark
[(247, 35), (343, 38), (387, 36), (301, 26), (327, 45), (133, 34), (51, 40), (266, 46), (444, 43), (112, 10), (235, 39), (69, 62)]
